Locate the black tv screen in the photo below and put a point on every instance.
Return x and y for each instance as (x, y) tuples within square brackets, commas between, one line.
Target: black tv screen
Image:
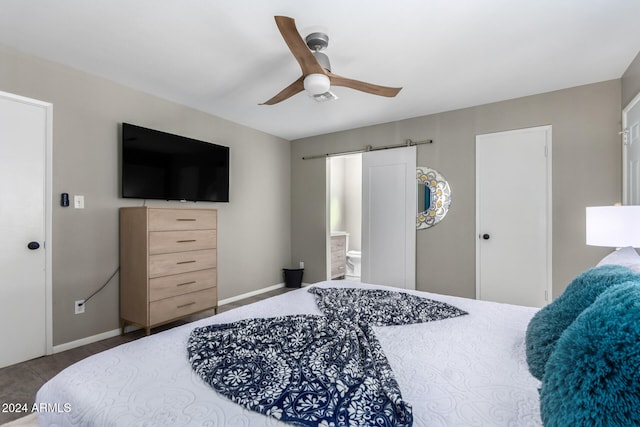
[(159, 165)]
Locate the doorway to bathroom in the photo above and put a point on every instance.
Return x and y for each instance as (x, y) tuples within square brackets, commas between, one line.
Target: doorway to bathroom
[(371, 216), (345, 216)]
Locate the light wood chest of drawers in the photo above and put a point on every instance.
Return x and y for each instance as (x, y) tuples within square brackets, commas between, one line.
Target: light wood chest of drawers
[(168, 264)]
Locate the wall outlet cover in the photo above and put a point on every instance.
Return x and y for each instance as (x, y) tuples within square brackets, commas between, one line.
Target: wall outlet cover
[(79, 306)]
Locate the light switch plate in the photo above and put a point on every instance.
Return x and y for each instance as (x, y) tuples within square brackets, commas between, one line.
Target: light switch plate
[(78, 202)]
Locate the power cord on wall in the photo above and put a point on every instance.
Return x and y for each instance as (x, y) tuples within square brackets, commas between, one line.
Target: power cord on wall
[(144, 203), (101, 287)]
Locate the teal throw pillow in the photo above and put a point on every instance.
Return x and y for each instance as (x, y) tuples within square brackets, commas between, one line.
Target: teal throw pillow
[(549, 323), (593, 376)]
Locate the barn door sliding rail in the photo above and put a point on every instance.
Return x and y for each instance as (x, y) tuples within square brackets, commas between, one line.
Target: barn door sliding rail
[(407, 143)]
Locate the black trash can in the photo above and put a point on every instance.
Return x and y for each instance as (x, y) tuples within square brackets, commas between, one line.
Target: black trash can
[(293, 277)]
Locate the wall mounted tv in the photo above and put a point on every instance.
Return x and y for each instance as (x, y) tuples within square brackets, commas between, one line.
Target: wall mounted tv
[(159, 165)]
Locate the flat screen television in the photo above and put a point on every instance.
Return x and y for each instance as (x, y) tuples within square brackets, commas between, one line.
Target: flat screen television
[(160, 165)]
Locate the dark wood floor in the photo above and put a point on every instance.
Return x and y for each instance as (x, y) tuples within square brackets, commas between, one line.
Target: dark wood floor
[(19, 383)]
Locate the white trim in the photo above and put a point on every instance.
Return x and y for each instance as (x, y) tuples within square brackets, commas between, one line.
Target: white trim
[(48, 236), (250, 294), (87, 340), (625, 112), (254, 293), (327, 218)]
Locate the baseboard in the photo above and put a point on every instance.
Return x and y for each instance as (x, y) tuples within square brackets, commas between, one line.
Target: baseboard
[(254, 293), (250, 294), (85, 341), (115, 332)]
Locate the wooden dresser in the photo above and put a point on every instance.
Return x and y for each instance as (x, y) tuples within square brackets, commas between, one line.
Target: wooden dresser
[(338, 256), (168, 264)]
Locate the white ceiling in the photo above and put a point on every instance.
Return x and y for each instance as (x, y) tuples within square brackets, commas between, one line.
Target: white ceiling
[(226, 56)]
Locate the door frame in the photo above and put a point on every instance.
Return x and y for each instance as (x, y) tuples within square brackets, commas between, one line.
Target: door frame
[(48, 211), (625, 170), (549, 210)]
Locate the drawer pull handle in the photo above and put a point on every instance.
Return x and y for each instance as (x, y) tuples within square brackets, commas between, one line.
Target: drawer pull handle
[(186, 305), (186, 283), (186, 219), (186, 241), (186, 262)]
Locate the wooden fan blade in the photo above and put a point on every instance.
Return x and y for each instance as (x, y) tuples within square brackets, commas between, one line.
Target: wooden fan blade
[(287, 92), (298, 47), (337, 80)]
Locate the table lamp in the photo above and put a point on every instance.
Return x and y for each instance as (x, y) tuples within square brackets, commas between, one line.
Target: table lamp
[(613, 226)]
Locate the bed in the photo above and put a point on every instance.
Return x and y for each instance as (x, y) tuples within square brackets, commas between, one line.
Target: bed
[(469, 370)]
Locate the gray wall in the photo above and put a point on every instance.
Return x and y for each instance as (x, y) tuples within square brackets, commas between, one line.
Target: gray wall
[(254, 228), (586, 171), (631, 81)]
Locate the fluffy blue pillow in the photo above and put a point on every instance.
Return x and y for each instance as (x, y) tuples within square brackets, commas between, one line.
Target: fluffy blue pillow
[(547, 325), (593, 376)]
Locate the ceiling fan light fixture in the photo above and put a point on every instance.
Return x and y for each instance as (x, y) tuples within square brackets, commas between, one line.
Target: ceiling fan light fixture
[(317, 84)]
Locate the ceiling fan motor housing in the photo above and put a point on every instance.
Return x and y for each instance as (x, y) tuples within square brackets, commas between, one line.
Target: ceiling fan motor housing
[(317, 41), (323, 60)]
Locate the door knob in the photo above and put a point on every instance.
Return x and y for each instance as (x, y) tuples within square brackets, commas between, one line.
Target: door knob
[(486, 236), (33, 245)]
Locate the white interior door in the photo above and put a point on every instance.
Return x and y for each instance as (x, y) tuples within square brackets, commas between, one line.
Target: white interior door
[(389, 217), (25, 135), (513, 216), (631, 153)]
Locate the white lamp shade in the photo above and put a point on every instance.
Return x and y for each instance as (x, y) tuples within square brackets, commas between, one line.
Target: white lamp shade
[(613, 226), (317, 84)]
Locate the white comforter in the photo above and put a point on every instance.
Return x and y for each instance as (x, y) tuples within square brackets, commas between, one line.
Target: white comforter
[(466, 371)]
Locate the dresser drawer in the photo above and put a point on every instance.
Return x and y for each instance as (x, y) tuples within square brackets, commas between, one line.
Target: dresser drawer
[(338, 271), (339, 244), (178, 284), (182, 305), (162, 242), (181, 219), (181, 262), (338, 258)]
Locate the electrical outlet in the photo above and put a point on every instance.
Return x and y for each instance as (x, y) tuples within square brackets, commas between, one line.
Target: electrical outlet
[(79, 306), (301, 264)]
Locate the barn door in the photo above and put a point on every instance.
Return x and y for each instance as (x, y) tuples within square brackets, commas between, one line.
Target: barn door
[(388, 217)]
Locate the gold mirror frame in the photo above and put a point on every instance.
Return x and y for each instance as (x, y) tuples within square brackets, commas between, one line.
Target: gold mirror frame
[(439, 197)]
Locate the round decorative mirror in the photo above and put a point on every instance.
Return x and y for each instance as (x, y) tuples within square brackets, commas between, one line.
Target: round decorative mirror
[(434, 197)]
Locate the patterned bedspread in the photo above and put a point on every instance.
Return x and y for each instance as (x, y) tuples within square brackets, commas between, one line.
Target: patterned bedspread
[(315, 370)]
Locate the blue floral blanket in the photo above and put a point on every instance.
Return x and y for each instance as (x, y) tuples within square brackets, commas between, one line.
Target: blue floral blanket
[(313, 370)]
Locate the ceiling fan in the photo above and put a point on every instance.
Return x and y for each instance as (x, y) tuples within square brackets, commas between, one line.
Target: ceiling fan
[(317, 77)]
